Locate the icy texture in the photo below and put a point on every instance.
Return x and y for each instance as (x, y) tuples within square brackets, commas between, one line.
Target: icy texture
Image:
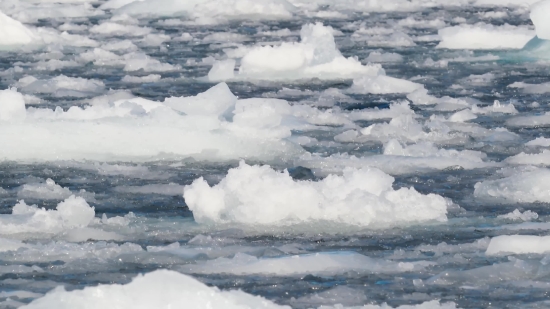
[(382, 84), (518, 244), (210, 9), (521, 216), (259, 195), (14, 33), (12, 106), (148, 130), (315, 264), (74, 212), (522, 187), (484, 36), (539, 16), (161, 289), (315, 56)]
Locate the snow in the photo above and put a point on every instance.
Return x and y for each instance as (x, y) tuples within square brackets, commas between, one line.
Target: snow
[(520, 187), (259, 195), (71, 213), (485, 36), (518, 244), (14, 33), (539, 16), (315, 56), (521, 216), (148, 130), (12, 105), (210, 10), (159, 289)]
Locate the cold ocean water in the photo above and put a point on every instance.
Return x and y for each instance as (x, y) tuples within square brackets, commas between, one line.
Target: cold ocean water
[(318, 154)]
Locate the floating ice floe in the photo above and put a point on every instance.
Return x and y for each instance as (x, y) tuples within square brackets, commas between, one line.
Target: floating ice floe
[(259, 195), (14, 33), (214, 125), (518, 244), (541, 158), (517, 215), (398, 159), (208, 11), (485, 36), (325, 263), (315, 56), (72, 213), (539, 16), (161, 289), (61, 86), (518, 187), (49, 190)]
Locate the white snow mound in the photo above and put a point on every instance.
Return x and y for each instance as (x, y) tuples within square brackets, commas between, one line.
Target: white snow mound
[(160, 289), (259, 195)]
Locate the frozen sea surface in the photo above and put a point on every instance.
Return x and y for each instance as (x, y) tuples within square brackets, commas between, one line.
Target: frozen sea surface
[(274, 154)]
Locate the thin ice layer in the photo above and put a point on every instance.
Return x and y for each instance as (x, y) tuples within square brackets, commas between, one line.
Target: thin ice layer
[(259, 195)]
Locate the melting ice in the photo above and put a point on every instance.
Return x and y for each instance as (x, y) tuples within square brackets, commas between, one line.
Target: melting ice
[(274, 154)]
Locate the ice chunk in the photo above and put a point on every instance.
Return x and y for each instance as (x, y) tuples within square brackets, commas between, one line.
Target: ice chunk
[(539, 15), (214, 11), (539, 141), (521, 187), (222, 70), (61, 86), (382, 84), (115, 29), (497, 107), (259, 195), (325, 263), (160, 289), (531, 88), (48, 190), (530, 121), (485, 36), (12, 105), (166, 189), (141, 79), (384, 57), (518, 215), (316, 56), (14, 33), (73, 212), (210, 126), (215, 101), (518, 244), (397, 160)]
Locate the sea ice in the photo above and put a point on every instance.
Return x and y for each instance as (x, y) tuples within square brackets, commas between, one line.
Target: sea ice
[(485, 36), (518, 244), (259, 195), (315, 56), (160, 289), (520, 187), (14, 33), (72, 213)]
